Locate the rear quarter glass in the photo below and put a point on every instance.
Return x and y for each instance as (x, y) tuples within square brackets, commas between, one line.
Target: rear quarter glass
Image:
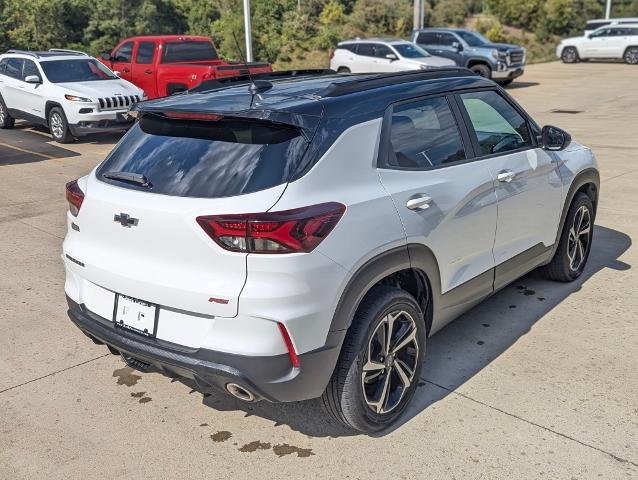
[(206, 159)]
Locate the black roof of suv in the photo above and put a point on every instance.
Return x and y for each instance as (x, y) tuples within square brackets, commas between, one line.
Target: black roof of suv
[(322, 93)]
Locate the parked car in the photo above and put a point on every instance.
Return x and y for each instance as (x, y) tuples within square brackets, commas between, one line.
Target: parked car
[(592, 25), (617, 41), (308, 244), (69, 92), (382, 55), (167, 64), (501, 62)]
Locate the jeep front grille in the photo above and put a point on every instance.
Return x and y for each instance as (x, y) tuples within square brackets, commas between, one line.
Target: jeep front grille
[(118, 102)]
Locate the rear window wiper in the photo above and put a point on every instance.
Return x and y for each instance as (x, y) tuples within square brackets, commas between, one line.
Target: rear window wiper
[(136, 178)]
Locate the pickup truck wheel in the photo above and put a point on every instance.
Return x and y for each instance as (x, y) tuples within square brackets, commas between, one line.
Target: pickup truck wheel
[(380, 361), (6, 120), (570, 55), (482, 70), (631, 56), (58, 126), (575, 242)]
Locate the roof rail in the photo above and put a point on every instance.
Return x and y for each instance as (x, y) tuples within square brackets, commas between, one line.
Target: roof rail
[(360, 84), (24, 52), (66, 50), (225, 82)]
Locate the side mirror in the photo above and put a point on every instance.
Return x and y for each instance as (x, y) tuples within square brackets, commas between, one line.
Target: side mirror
[(392, 57), (106, 56), (554, 138), (457, 46), (33, 79), (117, 73)]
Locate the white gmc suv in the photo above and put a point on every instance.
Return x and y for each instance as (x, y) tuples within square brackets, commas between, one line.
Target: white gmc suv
[(378, 55), (613, 41), (69, 92), (303, 236)]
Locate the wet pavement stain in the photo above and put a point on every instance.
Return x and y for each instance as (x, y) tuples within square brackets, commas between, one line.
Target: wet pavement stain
[(527, 292), (485, 324), (541, 299), (221, 436), (145, 399), (285, 449), (204, 425), (480, 342), (125, 376), (137, 394), (512, 306), (254, 446)]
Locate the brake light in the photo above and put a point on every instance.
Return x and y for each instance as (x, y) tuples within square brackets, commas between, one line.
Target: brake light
[(75, 197), (288, 231), (294, 359), (210, 117)]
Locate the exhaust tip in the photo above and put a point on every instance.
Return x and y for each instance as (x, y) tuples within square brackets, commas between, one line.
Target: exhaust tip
[(240, 392)]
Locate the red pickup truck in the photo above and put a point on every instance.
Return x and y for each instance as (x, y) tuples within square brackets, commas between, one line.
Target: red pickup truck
[(166, 64)]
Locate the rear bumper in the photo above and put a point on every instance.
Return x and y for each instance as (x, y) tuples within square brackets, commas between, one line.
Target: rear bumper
[(271, 378)]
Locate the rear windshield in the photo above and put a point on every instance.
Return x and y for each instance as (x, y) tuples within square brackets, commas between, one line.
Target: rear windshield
[(189, 51), (206, 159)]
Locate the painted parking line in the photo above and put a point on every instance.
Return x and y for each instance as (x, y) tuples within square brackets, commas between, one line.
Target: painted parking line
[(24, 150)]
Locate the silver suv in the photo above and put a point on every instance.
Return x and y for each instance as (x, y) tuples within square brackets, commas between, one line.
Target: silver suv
[(302, 236)]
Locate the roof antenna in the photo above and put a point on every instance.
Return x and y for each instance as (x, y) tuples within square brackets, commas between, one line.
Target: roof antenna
[(256, 86)]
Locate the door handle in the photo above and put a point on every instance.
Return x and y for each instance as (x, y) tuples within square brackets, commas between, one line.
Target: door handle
[(505, 176), (147, 71), (125, 70), (420, 201)]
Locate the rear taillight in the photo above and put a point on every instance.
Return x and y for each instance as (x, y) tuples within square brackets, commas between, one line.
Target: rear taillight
[(289, 231), (74, 196)]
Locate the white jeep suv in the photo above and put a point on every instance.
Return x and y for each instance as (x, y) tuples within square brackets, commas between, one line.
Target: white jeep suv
[(69, 92), (383, 55), (302, 237), (613, 41)]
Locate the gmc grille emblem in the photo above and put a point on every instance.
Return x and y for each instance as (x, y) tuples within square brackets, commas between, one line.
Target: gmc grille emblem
[(125, 220)]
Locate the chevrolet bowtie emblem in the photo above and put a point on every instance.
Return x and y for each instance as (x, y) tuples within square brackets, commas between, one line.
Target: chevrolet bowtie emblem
[(125, 220)]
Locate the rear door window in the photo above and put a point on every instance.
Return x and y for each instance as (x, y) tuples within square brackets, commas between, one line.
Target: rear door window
[(427, 38), (424, 135), (206, 159), (366, 49)]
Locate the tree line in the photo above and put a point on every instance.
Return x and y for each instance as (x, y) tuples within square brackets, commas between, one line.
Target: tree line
[(285, 32)]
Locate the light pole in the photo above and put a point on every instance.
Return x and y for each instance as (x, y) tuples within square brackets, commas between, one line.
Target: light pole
[(248, 31), (608, 10)]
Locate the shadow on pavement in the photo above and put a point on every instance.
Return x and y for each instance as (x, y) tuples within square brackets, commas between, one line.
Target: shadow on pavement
[(515, 85), (460, 350)]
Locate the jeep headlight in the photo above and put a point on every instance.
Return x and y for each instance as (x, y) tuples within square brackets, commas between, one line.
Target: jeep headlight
[(74, 98)]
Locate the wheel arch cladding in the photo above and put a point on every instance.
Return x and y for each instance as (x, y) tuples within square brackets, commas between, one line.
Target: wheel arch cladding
[(394, 267), (50, 105)]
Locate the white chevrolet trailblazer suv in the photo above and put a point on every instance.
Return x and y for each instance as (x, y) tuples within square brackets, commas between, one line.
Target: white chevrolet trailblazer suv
[(383, 55), (613, 41), (69, 92), (303, 236)]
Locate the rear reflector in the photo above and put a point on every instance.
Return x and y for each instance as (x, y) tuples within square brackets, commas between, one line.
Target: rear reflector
[(209, 117), (288, 231), (294, 359), (74, 196)]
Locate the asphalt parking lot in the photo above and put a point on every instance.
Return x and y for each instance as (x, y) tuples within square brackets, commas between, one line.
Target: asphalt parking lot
[(540, 381)]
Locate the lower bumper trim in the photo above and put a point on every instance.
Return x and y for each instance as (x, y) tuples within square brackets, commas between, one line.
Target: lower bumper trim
[(270, 378)]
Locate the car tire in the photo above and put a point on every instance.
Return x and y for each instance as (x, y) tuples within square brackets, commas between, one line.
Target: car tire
[(570, 55), (343, 70), (58, 126), (6, 120), (369, 389), (574, 245), (631, 56), (482, 70)]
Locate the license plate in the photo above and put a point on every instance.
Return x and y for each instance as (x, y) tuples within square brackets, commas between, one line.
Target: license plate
[(136, 315)]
